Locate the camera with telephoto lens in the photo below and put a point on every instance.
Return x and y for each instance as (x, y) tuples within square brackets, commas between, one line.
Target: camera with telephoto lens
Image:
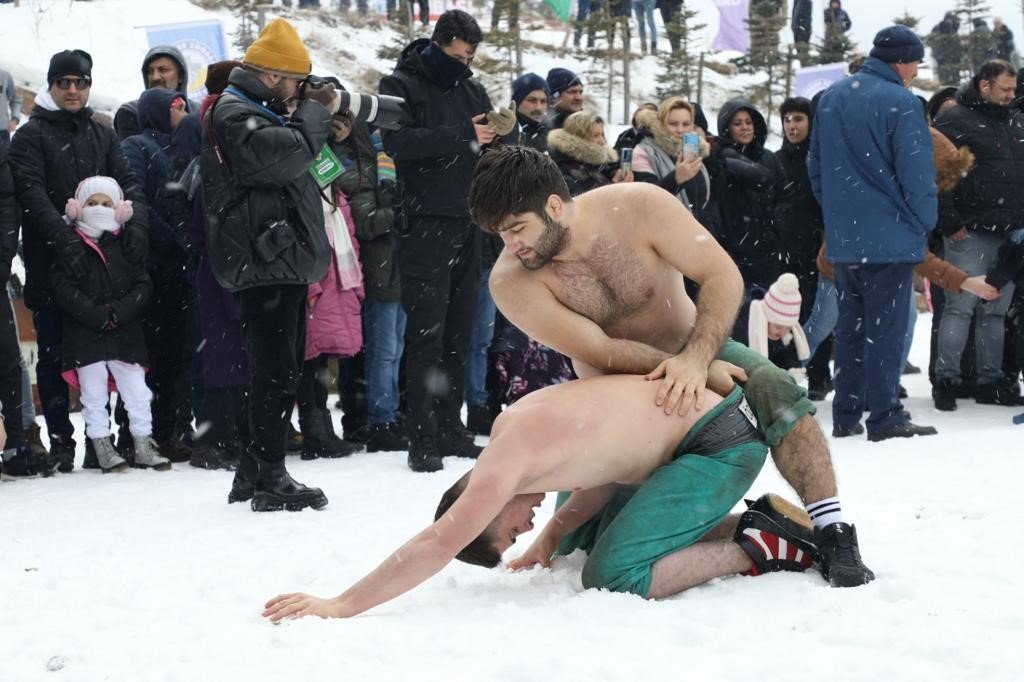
[(382, 111)]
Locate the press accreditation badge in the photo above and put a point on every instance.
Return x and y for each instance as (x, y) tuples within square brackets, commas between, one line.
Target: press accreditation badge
[(326, 167)]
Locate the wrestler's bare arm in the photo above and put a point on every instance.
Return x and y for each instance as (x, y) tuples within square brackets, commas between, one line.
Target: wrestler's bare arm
[(529, 305), (682, 242), (417, 560), (581, 506)]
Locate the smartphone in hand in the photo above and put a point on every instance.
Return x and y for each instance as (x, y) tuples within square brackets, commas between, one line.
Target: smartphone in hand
[(691, 146), (626, 159)]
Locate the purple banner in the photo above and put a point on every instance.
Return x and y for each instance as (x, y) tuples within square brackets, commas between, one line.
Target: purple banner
[(732, 26)]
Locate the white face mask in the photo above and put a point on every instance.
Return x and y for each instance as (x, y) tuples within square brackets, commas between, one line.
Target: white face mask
[(96, 220)]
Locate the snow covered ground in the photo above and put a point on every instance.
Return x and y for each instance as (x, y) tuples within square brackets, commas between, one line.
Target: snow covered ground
[(152, 576)]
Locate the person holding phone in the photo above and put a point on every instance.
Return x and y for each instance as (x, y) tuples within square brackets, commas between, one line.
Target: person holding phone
[(671, 153)]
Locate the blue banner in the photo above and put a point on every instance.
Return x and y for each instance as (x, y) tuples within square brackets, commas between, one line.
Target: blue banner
[(201, 43)]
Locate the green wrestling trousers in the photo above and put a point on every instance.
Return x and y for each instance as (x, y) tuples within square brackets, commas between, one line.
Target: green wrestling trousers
[(777, 400), (673, 509)]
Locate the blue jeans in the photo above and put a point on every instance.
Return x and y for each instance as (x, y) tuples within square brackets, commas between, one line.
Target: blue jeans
[(479, 342), (975, 255), (644, 9), (825, 314), (874, 311), (384, 329)]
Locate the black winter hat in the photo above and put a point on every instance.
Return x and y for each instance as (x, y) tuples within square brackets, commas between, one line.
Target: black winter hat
[(897, 45), (69, 63), (527, 83), (560, 79)]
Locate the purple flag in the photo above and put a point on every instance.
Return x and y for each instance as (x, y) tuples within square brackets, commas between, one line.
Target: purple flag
[(732, 26)]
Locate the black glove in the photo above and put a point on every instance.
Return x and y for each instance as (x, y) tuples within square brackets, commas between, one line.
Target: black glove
[(134, 243), (111, 323), (72, 258)]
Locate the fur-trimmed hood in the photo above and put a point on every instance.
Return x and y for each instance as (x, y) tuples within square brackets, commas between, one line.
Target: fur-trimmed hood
[(579, 149), (650, 126), (951, 163)]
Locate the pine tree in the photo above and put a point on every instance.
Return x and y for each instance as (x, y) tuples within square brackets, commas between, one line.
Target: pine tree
[(679, 68), (977, 43), (248, 21), (908, 20), (764, 22)]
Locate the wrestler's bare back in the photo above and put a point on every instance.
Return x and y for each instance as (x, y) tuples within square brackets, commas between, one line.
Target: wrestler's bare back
[(619, 281), (587, 433)]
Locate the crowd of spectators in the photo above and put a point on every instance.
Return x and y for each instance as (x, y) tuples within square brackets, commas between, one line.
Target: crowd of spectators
[(192, 240)]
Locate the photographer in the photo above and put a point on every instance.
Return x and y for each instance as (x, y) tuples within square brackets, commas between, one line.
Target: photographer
[(266, 239)]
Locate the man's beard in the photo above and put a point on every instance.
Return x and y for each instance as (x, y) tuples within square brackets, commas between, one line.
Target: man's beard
[(551, 242)]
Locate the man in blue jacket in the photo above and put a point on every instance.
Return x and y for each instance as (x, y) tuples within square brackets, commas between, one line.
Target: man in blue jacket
[(871, 169)]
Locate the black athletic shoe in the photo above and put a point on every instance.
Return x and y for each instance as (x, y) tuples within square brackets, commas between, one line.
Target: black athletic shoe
[(423, 455), (839, 556), (457, 442), (276, 490), (845, 432), (944, 395), (770, 546), (904, 429)]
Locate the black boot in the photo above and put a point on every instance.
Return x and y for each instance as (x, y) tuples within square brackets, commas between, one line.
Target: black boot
[(457, 441), (839, 556), (213, 456), (944, 395), (243, 486), (480, 419), (339, 444), (423, 455), (385, 438), (317, 441), (62, 451), (276, 490)]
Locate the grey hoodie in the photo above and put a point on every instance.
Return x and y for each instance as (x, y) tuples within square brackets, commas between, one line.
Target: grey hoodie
[(126, 121)]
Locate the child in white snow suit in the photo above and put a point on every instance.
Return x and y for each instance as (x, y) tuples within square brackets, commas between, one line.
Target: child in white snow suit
[(102, 295)]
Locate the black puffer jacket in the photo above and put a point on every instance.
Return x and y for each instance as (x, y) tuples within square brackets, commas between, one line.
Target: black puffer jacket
[(799, 223), (435, 151), (103, 310), (373, 211), (50, 155), (9, 218), (989, 198), (747, 187), (264, 178)]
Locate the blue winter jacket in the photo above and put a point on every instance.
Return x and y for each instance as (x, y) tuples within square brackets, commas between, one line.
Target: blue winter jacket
[(872, 169)]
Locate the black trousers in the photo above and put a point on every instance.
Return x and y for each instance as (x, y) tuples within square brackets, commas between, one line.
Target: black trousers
[(170, 326), (274, 327), (439, 261), (10, 373), (53, 391)]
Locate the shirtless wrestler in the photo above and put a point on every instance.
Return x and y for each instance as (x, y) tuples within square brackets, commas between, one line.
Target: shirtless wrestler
[(595, 436), (599, 278)]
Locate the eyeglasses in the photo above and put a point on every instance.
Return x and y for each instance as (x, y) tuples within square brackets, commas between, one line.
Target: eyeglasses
[(79, 83)]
